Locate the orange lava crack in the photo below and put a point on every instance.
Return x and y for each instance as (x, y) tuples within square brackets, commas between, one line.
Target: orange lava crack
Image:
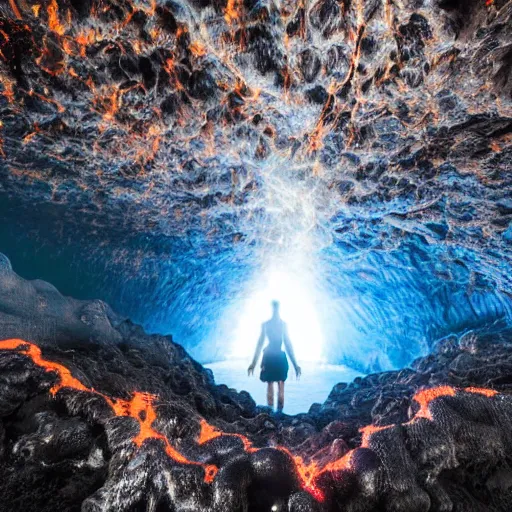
[(15, 9), (140, 407), (209, 432)]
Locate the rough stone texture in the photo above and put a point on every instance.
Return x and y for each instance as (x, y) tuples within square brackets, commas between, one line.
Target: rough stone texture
[(191, 140), (433, 437)]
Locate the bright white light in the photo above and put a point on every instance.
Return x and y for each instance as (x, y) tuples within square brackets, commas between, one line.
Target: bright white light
[(299, 304)]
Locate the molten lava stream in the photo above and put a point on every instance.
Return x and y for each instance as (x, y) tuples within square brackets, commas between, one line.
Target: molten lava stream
[(140, 407), (309, 473)]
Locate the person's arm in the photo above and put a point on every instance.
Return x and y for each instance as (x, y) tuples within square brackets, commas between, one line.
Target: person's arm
[(259, 347), (289, 350)]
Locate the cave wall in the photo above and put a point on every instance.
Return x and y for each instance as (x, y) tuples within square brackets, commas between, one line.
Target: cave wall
[(159, 154), (95, 414)]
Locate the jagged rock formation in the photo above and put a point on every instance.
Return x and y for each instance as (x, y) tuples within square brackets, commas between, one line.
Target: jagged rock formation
[(187, 142), (104, 417)]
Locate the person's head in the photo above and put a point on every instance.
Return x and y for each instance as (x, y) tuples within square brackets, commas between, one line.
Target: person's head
[(275, 307)]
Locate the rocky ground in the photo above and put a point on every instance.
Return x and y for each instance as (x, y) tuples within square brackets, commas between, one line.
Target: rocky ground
[(97, 415)]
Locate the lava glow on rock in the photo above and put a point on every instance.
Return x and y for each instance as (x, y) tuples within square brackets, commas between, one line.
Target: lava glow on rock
[(183, 163), (194, 145), (141, 408)]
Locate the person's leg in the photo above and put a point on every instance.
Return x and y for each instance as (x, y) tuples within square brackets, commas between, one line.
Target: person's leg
[(270, 394), (280, 395)]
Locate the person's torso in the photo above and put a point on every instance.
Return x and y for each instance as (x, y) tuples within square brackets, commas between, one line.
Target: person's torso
[(274, 329)]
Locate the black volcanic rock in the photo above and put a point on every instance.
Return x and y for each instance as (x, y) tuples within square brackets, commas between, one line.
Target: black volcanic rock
[(159, 154), (431, 437)]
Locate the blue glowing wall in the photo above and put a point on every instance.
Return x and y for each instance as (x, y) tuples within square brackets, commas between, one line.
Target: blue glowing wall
[(379, 310)]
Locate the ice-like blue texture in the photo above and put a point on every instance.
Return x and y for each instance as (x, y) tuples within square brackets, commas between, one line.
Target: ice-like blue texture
[(379, 310), (168, 157)]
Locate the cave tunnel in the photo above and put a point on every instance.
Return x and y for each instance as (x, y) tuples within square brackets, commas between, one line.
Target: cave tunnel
[(170, 167)]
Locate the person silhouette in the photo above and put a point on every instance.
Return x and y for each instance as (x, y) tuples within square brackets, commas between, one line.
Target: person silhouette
[(274, 364)]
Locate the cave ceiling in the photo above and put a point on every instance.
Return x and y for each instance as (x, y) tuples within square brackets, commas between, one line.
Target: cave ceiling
[(373, 136)]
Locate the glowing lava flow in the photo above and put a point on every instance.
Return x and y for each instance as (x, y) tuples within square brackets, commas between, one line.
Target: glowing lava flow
[(140, 407), (209, 432), (425, 397), (309, 473), (15, 9)]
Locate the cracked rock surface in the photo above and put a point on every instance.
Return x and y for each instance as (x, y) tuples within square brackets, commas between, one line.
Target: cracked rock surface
[(184, 143), (100, 416)]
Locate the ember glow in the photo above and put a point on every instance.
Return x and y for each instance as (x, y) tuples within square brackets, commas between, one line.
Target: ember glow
[(425, 397), (141, 408), (316, 146)]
